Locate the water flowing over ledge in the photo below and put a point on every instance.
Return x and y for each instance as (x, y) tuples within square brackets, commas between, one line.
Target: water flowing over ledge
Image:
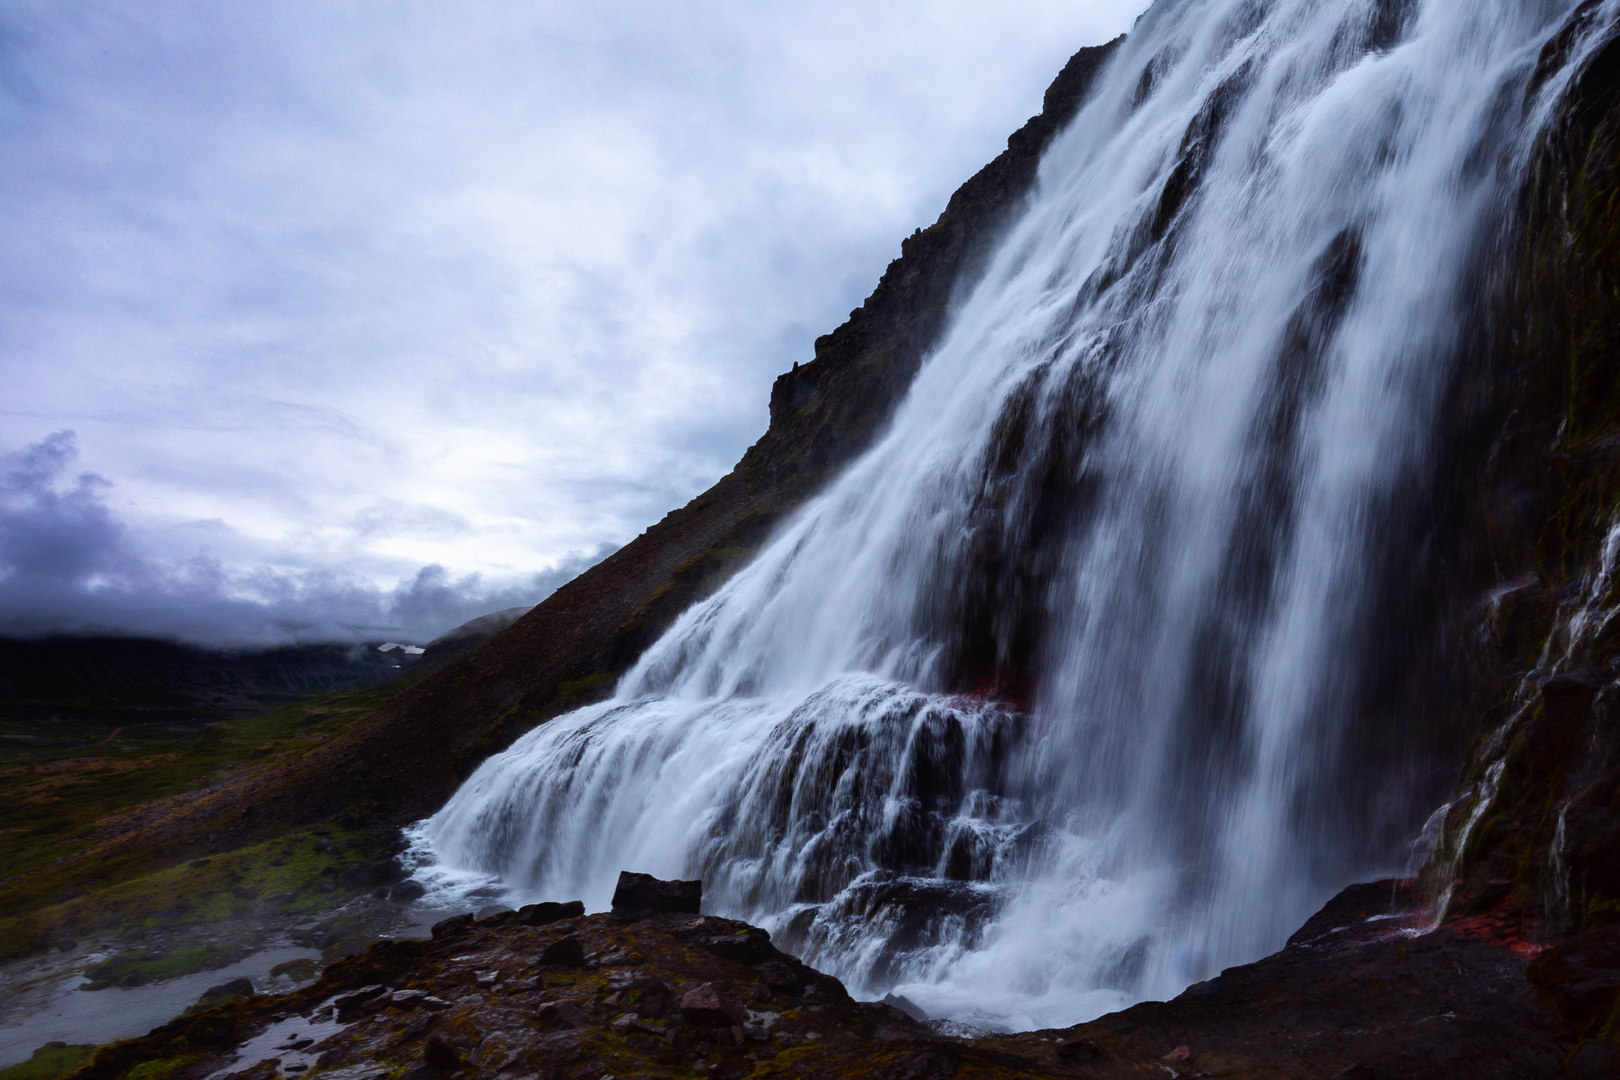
[(1050, 702)]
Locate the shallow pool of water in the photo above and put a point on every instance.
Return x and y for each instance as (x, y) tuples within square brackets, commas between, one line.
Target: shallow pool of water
[(59, 1010)]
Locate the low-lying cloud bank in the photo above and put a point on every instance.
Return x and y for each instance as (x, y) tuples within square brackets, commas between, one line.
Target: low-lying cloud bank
[(69, 566)]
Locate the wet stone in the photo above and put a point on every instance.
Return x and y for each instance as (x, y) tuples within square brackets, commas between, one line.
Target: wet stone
[(544, 914), (707, 1006), (568, 952), (642, 894), (234, 988)]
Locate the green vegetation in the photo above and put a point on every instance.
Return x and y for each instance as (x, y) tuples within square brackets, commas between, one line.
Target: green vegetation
[(49, 1062), (61, 805), (157, 1070), (590, 684), (133, 968)]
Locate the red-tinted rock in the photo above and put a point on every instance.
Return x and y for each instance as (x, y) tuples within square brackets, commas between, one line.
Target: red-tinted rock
[(708, 1007)]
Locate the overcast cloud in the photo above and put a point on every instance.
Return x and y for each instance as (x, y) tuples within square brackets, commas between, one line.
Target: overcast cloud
[(345, 320)]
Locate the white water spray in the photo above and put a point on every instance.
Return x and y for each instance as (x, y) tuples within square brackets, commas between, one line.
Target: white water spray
[(1134, 492)]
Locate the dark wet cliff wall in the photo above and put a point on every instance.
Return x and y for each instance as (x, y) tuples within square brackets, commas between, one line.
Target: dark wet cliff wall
[(1532, 835)]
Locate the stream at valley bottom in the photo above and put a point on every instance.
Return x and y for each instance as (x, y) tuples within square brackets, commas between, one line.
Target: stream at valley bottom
[(41, 1000)]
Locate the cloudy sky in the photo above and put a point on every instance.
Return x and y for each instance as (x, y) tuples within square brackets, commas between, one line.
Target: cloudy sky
[(339, 320)]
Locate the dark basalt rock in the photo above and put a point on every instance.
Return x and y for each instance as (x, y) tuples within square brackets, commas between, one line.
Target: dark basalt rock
[(637, 895), (782, 977), (707, 1006), (440, 1055), (406, 891), (450, 926), (1365, 999), (1354, 910), (369, 875), (1581, 980), (548, 912), (234, 988), (567, 952)]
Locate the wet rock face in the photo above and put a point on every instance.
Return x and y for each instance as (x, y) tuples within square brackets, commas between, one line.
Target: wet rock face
[(675, 994), (1540, 785), (1354, 910)]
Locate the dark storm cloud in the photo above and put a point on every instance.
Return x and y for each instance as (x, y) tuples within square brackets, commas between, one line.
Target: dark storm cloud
[(66, 566)]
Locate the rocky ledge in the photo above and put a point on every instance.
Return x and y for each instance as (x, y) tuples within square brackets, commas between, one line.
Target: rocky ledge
[(653, 989)]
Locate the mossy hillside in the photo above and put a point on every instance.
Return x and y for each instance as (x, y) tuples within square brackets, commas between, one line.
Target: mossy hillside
[(49, 1062), (288, 877), (62, 808)]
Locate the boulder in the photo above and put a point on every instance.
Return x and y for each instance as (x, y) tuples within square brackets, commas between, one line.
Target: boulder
[(550, 911), (297, 969), (371, 875), (440, 1054), (407, 891), (565, 953), (234, 989), (1581, 980), (708, 1007), (566, 1013), (352, 1000), (751, 947), (642, 894), (452, 926), (493, 911), (782, 977)]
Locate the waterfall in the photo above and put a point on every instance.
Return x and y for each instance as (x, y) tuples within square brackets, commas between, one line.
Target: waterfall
[(1045, 705)]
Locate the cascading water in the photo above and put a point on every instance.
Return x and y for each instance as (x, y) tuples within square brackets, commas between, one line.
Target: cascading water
[(1044, 705)]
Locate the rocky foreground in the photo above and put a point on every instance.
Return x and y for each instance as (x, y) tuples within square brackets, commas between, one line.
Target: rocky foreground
[(654, 989)]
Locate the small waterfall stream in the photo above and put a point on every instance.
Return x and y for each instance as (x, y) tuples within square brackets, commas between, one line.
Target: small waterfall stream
[(1044, 706)]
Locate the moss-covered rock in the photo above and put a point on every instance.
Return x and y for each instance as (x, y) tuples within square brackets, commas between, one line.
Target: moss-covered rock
[(49, 1062)]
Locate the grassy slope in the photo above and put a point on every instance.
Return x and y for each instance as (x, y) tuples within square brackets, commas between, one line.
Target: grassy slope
[(60, 805)]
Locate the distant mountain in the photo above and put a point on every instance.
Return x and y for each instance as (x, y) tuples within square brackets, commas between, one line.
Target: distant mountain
[(62, 690)]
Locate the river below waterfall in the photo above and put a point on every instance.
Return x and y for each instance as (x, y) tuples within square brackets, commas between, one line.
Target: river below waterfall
[(1066, 694)]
